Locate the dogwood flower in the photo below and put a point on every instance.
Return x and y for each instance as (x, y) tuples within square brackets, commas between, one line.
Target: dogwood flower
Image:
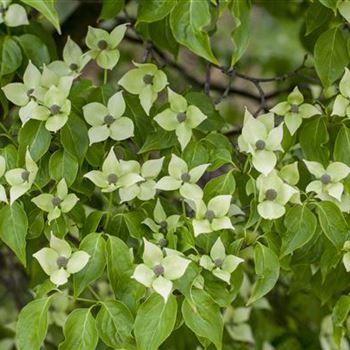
[(54, 110), (212, 217), (59, 262), (341, 105), (13, 15), (108, 121), (273, 195), (182, 179), (158, 272), (328, 183), (220, 264), (146, 81), (21, 179), (103, 45), (145, 189), (161, 223), (3, 196), (73, 60), (180, 117), (21, 93), (294, 110), (290, 174), (261, 139), (115, 173), (61, 202)]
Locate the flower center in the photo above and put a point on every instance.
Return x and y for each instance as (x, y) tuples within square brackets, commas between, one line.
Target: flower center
[(108, 119), (56, 201), (325, 179), (218, 262), (163, 242), (62, 261), (25, 175), (73, 66), (294, 108), (163, 226), (112, 179), (260, 145), (148, 79), (271, 194), (158, 270), (209, 215), (102, 44), (186, 177), (55, 109), (30, 92), (181, 117)]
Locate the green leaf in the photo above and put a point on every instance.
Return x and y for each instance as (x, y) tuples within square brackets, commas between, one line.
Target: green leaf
[(331, 56), (188, 20), (267, 268), (240, 36), (34, 313), (342, 145), (11, 56), (316, 16), (332, 4), (63, 165), (203, 317), (114, 323), (162, 36), (13, 229), (344, 10), (35, 49), (313, 139), (92, 222), (110, 9), (79, 331), (195, 154), (158, 140), (47, 9), (154, 10), (74, 137), (154, 322), (223, 184), (301, 225), (36, 136), (95, 245), (341, 310), (332, 223)]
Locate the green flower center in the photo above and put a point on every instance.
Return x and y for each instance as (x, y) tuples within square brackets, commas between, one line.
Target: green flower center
[(158, 270), (56, 201), (163, 242), (30, 92), (294, 108), (62, 261), (186, 177), (163, 226), (25, 175), (112, 179), (260, 145), (325, 179), (271, 194), (102, 44), (148, 79), (73, 66), (209, 215), (181, 117), (218, 262), (55, 109), (108, 119)]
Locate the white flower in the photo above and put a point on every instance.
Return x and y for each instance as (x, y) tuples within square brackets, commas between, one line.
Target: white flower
[(158, 271), (13, 15), (21, 179), (58, 261)]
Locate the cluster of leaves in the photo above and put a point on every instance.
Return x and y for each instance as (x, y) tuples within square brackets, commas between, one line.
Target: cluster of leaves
[(139, 218)]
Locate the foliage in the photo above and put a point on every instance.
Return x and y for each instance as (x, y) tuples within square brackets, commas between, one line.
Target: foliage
[(172, 177)]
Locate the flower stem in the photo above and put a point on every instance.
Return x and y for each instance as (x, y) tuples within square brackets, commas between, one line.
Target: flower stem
[(105, 77), (109, 210)]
